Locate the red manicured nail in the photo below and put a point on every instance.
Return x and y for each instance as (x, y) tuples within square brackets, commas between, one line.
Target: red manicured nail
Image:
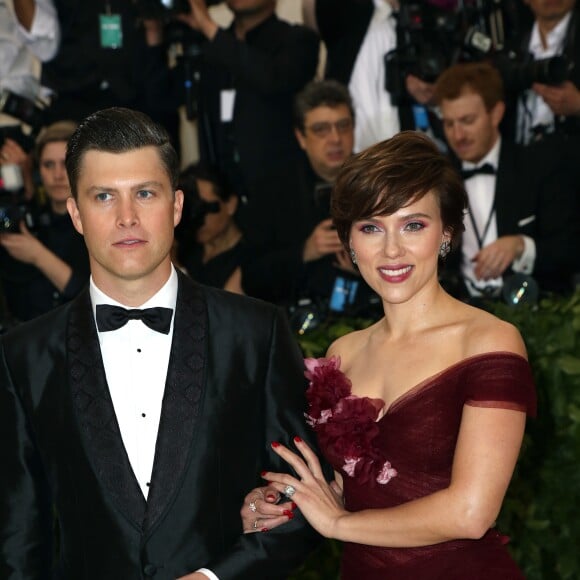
[(263, 473), (288, 514), (298, 439), (275, 444), (264, 530), (294, 506)]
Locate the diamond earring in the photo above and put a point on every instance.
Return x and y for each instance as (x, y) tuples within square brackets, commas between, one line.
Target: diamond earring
[(353, 256), (444, 248)]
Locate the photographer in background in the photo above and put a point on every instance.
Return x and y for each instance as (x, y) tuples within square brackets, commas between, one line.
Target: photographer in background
[(545, 99), (250, 73), (523, 212), (209, 242), (48, 266), (294, 252), (29, 32)]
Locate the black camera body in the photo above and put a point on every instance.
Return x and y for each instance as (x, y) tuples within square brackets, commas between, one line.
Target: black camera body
[(14, 209), (430, 39), (23, 109)]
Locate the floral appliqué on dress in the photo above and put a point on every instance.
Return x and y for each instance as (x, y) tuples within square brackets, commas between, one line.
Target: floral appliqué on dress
[(344, 423)]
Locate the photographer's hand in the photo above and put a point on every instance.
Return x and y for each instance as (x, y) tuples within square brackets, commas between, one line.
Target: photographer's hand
[(563, 99), (493, 260), (322, 241), (200, 19), (24, 247), (420, 90)]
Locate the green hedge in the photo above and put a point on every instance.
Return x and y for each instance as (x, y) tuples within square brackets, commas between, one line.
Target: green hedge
[(541, 512)]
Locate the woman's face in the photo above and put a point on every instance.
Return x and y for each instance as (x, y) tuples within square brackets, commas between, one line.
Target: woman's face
[(214, 224), (53, 172), (397, 254)]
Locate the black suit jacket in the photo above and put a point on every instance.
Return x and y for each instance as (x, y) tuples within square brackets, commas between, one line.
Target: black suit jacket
[(234, 384), (535, 197)]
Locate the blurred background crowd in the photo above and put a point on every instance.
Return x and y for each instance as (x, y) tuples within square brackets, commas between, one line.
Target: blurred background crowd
[(264, 101)]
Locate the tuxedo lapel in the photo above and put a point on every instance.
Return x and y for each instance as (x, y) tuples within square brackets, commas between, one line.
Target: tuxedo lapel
[(95, 412), (506, 191), (181, 400)]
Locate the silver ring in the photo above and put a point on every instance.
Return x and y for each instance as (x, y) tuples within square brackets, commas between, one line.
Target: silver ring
[(252, 506), (256, 524), (289, 491)]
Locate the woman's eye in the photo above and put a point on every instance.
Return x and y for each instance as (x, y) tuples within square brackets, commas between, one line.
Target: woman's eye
[(414, 226), (368, 228)]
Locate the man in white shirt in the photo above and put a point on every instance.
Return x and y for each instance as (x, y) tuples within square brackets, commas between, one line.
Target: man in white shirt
[(29, 34), (141, 413), (544, 107), (522, 209)]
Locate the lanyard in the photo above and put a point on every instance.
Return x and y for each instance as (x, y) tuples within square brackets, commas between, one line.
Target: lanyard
[(481, 238)]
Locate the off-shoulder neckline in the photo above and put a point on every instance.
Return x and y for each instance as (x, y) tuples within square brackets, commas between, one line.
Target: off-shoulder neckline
[(421, 385)]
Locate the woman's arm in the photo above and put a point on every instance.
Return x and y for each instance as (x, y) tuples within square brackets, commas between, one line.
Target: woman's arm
[(486, 453)]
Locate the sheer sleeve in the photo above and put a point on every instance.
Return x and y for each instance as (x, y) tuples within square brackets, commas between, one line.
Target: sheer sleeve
[(501, 380)]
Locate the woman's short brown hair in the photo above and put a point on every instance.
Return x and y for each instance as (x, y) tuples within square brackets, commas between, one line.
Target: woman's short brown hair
[(393, 174)]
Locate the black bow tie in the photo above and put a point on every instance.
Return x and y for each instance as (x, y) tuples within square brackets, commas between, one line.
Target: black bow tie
[(485, 169), (111, 317)]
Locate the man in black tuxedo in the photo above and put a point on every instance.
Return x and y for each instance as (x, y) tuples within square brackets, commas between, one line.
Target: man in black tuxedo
[(523, 211), (136, 417)]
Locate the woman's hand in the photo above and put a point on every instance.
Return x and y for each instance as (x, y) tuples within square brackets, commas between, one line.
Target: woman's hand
[(261, 511), (320, 502)]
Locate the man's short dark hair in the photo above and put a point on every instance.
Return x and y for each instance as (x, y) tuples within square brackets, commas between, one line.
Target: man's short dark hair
[(119, 130), (316, 94)]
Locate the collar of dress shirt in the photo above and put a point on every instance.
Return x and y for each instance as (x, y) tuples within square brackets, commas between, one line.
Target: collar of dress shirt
[(165, 297), (554, 40), (492, 158)]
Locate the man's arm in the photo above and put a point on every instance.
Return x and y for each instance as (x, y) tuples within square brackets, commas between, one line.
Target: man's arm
[(275, 554), (25, 513), (39, 26)]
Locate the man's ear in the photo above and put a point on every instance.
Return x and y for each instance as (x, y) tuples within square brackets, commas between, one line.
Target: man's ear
[(497, 113), (177, 207), (301, 138), (73, 211)]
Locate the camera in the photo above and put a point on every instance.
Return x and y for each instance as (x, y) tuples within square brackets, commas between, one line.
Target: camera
[(23, 109), (520, 74), (430, 39)]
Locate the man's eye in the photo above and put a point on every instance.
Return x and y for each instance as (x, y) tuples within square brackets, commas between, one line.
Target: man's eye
[(103, 196), (144, 194)]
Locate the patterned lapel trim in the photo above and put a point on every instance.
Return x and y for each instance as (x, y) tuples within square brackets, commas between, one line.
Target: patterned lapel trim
[(95, 413), (181, 401)]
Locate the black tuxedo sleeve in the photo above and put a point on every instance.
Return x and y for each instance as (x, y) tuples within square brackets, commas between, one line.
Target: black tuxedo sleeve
[(25, 510), (275, 554)]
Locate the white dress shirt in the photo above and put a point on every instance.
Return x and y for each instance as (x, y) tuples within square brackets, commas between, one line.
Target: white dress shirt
[(532, 109), (20, 49), (481, 194), (136, 359), (376, 117)]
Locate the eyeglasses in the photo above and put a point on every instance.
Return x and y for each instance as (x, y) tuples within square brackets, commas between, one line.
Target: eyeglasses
[(323, 129)]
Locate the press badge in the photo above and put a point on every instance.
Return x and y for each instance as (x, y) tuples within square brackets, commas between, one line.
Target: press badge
[(111, 31), (227, 102)]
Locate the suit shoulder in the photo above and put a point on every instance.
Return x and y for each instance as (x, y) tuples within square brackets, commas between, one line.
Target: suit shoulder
[(241, 304)]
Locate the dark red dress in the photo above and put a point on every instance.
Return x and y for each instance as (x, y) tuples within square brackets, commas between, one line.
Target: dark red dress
[(408, 454)]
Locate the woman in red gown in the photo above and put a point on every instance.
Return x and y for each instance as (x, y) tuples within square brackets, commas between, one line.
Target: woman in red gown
[(422, 414)]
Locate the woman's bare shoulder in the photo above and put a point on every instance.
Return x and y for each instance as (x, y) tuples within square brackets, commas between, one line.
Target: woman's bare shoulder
[(485, 332), (349, 345)]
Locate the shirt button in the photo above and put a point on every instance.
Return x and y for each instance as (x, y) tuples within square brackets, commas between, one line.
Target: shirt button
[(150, 569)]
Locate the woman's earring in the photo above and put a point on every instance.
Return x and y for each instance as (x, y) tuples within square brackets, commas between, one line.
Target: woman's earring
[(444, 248), (353, 256)]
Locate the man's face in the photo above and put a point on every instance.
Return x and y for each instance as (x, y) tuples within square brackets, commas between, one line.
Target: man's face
[(126, 211), (471, 129), (327, 139), (550, 10), (251, 7)]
